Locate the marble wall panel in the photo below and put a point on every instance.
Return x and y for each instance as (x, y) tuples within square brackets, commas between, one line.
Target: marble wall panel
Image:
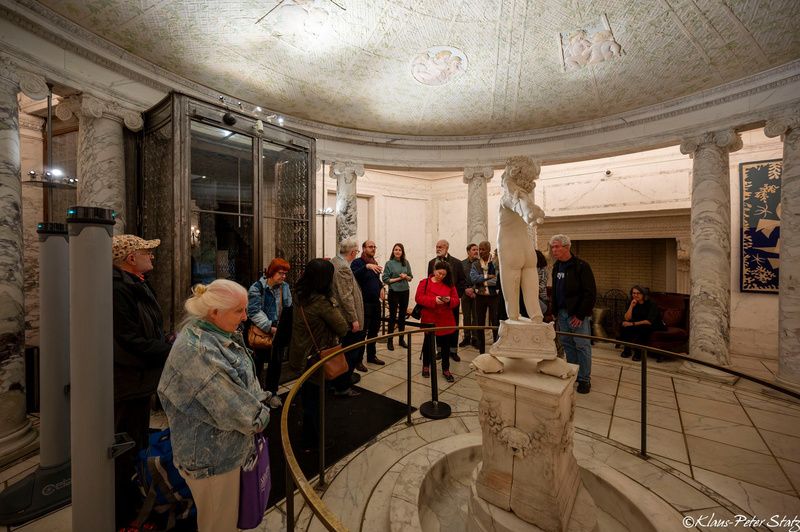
[(31, 154)]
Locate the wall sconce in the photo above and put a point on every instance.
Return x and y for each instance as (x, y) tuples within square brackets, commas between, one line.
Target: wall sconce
[(194, 236), (327, 211)]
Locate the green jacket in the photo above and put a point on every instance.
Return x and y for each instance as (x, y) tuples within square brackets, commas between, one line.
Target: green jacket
[(392, 270), (326, 323)]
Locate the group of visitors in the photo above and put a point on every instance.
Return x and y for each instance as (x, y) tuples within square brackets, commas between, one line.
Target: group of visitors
[(210, 383)]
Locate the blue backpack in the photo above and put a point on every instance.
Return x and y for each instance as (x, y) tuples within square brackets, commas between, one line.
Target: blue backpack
[(164, 489)]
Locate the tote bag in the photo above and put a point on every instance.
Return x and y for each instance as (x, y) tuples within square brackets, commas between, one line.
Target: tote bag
[(255, 482)]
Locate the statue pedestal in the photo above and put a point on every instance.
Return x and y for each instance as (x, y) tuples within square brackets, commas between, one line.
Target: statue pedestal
[(528, 465), (524, 338)]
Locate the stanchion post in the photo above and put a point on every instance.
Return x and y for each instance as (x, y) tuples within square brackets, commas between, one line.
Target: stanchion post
[(321, 427), (433, 409), (644, 404), (289, 499), (408, 379)]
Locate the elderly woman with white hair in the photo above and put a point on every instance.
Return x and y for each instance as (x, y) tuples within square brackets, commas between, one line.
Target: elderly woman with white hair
[(213, 401)]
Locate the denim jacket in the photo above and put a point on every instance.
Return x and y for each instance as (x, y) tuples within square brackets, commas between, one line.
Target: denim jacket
[(212, 400), (483, 286), (263, 310)]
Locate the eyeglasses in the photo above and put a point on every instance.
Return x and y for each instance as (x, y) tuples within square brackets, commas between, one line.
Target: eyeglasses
[(635, 293), (370, 246)]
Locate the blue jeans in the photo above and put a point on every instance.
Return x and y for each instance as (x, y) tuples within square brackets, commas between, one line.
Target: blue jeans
[(578, 350)]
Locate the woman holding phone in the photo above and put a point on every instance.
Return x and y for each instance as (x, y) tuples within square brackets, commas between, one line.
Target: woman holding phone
[(438, 297)]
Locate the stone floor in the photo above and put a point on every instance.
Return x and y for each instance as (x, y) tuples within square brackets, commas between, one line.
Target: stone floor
[(715, 448)]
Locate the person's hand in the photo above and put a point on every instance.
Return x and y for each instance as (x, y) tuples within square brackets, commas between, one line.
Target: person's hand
[(627, 323), (440, 300), (383, 294), (490, 276), (375, 268), (574, 322), (633, 303), (273, 330), (469, 292), (356, 326), (403, 276)]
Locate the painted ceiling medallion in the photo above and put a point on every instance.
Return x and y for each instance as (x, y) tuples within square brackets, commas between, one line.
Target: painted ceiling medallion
[(588, 46), (438, 65)]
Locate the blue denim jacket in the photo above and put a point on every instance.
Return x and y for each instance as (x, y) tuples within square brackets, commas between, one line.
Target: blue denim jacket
[(212, 400), (263, 311)]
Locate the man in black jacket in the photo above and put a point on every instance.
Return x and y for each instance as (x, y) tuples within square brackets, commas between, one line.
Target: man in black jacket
[(140, 350), (459, 281), (574, 294)]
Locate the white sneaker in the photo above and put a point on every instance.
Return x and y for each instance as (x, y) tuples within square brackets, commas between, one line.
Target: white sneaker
[(275, 402)]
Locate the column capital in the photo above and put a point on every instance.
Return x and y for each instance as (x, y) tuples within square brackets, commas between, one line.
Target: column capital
[(31, 122), (783, 123), (478, 172), (32, 85), (92, 107), (726, 139), (347, 169)]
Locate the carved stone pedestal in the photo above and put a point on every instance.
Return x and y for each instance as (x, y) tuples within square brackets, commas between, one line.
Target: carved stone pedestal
[(528, 464), (524, 338)]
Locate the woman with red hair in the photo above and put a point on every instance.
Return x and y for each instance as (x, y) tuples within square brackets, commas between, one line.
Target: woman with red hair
[(267, 301)]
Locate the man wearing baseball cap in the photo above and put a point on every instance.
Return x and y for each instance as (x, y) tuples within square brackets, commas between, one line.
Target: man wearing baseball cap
[(140, 350)]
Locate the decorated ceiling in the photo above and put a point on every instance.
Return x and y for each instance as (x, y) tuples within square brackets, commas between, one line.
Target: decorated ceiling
[(450, 67)]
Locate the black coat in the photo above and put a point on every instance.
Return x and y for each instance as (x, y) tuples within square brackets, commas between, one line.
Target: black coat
[(140, 347), (580, 290), (456, 270)]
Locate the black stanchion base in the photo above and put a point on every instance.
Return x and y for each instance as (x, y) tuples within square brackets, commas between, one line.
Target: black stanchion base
[(434, 409), (48, 489)]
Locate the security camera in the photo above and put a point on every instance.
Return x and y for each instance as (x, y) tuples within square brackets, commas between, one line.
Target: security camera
[(259, 126), (228, 118)]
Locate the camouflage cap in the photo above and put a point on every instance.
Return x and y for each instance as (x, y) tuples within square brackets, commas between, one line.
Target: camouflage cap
[(124, 245)]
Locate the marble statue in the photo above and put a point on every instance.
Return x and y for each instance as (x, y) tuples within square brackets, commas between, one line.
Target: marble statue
[(518, 217)]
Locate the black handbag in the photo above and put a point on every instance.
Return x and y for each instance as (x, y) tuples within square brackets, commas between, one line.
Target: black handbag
[(416, 312)]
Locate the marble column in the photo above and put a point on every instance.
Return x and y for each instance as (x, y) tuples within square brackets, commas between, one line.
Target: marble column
[(101, 153), (788, 127), (710, 268), (16, 433), (31, 129), (477, 203), (346, 173)]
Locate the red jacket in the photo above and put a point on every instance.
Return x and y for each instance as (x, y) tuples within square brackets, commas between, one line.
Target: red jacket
[(439, 315)]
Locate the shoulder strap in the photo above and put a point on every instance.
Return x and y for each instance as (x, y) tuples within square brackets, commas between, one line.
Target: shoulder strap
[(311, 334)]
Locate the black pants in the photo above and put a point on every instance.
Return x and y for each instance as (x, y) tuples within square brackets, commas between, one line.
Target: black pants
[(637, 334), (273, 357), (454, 336), (398, 304), (444, 346), (131, 416), (485, 305), (468, 310), (372, 323), (353, 357)]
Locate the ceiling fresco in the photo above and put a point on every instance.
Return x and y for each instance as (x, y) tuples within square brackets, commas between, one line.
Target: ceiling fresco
[(450, 67)]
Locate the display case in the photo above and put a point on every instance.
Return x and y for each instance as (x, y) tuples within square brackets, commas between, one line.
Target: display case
[(225, 195)]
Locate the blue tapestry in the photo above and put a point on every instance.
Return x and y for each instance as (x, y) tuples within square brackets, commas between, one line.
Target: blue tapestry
[(761, 225)]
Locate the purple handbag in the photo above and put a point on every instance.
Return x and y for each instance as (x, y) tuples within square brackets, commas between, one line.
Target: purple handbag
[(255, 482)]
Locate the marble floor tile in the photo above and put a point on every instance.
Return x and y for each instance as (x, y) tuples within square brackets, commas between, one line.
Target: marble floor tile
[(782, 445), (460, 368), (712, 517), (680, 466), (19, 470), (419, 393), (608, 371), (604, 385), (792, 470), (459, 403), (659, 416), (634, 376), (706, 391), (400, 369), (376, 515), (770, 364), (434, 430), (441, 383), (592, 421), (379, 382), (722, 431), (468, 388), (597, 401), (749, 466), (660, 441), (473, 423), (58, 521), (757, 501), (712, 408), (655, 396), (770, 404), (774, 422)]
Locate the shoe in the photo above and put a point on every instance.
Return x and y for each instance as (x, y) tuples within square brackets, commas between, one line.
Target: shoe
[(637, 357), (390, 344), (361, 367), (402, 342), (455, 357), (355, 378), (438, 355), (346, 393), (464, 343), (448, 376), (626, 353), (377, 361), (584, 386), (275, 402), (426, 372)]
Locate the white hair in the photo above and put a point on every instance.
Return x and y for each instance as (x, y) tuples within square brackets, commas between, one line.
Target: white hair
[(347, 245), (563, 239), (221, 294)]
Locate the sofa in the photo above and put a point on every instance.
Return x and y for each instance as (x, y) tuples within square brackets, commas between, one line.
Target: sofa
[(675, 313)]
